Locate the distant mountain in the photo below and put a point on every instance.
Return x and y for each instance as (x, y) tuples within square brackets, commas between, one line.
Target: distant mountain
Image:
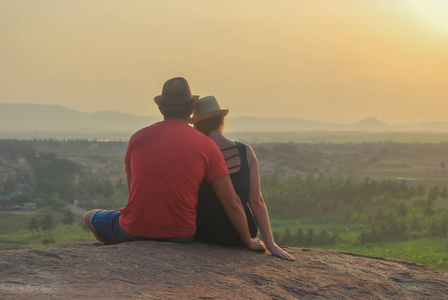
[(369, 124), (32, 117), (54, 120)]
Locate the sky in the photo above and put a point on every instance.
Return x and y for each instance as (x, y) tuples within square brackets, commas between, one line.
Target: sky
[(328, 60)]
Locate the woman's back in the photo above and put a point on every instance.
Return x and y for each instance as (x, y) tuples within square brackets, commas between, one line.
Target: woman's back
[(213, 225)]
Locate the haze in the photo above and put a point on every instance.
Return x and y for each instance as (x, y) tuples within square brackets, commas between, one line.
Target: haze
[(335, 61)]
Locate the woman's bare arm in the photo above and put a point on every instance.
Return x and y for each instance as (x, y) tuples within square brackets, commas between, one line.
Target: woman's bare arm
[(259, 209)]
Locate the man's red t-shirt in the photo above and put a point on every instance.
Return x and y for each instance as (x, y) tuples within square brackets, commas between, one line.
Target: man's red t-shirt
[(167, 161)]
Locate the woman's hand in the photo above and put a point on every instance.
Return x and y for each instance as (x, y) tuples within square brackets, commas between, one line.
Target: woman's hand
[(256, 245), (279, 252)]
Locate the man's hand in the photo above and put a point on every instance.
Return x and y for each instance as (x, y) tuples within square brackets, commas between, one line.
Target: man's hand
[(256, 245)]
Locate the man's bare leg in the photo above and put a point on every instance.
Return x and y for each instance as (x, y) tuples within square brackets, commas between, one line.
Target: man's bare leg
[(87, 218)]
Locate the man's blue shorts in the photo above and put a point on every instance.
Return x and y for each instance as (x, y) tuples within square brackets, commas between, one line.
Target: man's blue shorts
[(106, 223)]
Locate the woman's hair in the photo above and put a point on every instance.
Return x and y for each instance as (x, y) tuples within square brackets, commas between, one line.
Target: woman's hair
[(207, 125)]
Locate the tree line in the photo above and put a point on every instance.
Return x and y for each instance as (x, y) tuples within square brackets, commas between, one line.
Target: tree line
[(297, 197), (386, 210)]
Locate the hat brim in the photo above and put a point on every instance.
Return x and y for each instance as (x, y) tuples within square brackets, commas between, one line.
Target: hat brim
[(212, 114), (158, 101)]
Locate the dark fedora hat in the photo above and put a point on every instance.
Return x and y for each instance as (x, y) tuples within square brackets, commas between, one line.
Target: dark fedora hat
[(176, 94)]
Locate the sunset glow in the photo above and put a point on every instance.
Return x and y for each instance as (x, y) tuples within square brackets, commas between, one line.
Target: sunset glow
[(443, 3), (336, 61), (436, 11)]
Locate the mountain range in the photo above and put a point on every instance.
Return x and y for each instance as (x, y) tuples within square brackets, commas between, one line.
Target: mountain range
[(23, 117)]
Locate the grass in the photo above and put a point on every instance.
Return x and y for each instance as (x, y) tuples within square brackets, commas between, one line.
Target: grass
[(432, 252), (14, 235), (62, 235)]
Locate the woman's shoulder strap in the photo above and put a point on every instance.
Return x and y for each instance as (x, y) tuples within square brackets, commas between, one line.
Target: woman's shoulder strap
[(242, 149)]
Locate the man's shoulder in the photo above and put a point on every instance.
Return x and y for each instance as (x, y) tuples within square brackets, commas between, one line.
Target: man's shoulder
[(182, 135), (146, 130)]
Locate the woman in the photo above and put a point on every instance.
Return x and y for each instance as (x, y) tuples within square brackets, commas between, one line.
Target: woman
[(213, 226)]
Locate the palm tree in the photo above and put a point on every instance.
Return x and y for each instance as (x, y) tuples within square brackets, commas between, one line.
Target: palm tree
[(33, 226), (47, 224)]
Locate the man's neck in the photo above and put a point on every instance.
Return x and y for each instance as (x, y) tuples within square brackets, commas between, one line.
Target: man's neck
[(178, 119)]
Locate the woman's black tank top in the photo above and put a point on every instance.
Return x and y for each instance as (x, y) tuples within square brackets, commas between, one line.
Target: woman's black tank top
[(213, 225)]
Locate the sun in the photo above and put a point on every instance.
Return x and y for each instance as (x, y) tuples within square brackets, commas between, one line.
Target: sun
[(436, 11), (443, 3)]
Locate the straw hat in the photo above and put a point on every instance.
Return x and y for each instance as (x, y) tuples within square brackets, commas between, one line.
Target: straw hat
[(206, 108), (176, 94)]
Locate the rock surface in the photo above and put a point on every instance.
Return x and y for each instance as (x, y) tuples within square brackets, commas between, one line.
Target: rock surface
[(153, 270)]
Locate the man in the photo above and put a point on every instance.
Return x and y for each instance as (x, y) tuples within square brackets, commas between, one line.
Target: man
[(165, 164)]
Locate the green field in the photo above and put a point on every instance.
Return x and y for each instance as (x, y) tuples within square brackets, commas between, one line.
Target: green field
[(430, 251), (14, 233)]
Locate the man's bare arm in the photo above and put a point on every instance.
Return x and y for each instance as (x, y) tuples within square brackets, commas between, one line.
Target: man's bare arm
[(232, 205)]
